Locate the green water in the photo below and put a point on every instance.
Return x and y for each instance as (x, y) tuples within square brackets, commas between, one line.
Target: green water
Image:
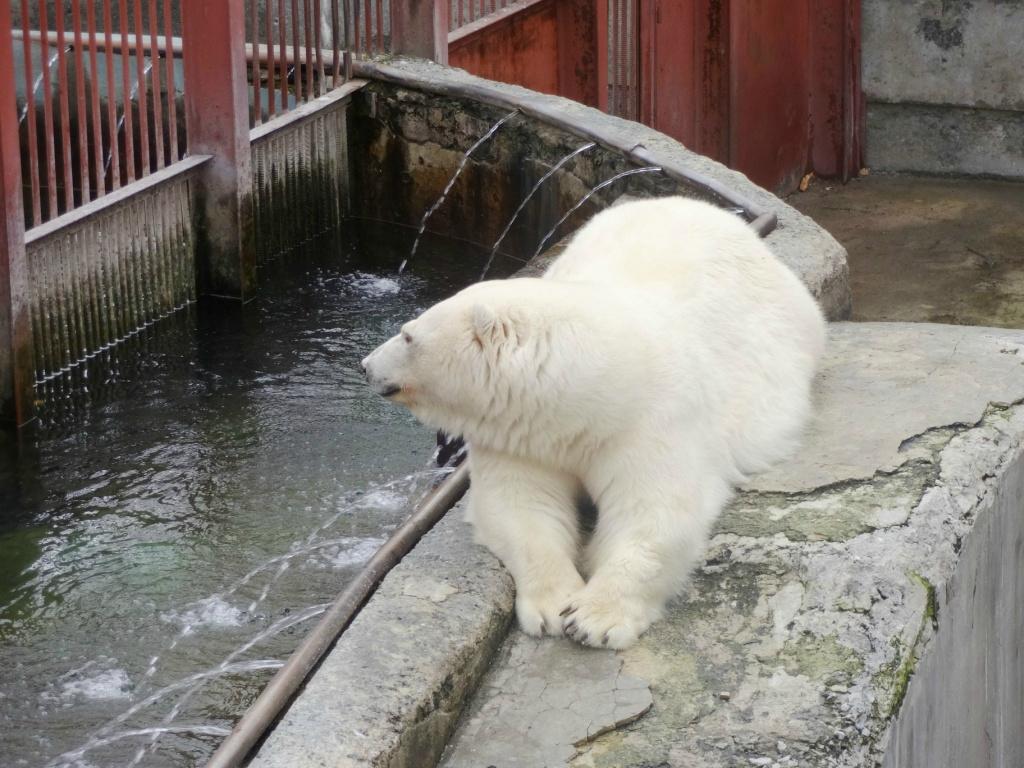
[(164, 471)]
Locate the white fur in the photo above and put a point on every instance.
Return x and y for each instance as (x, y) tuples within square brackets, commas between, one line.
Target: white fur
[(664, 355)]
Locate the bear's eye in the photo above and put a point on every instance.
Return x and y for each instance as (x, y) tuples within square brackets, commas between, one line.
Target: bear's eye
[(406, 338)]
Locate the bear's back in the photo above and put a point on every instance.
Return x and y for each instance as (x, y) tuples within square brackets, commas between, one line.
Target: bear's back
[(721, 296)]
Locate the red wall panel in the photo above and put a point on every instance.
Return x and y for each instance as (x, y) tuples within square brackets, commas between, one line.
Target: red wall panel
[(520, 48)]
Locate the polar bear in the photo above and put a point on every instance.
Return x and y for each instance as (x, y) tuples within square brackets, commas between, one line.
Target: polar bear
[(664, 356)]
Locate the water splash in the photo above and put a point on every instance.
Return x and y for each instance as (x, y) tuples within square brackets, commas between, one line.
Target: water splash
[(274, 629), (590, 194), (540, 182), (31, 99), (198, 730), (451, 183), (98, 738), (217, 606), (311, 543)]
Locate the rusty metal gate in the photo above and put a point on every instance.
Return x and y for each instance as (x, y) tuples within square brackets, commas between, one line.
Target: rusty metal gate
[(769, 87)]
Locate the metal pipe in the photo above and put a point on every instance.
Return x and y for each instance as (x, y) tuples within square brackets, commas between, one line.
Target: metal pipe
[(283, 686)]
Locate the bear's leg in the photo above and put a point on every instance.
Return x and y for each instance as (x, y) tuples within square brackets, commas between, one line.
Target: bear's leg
[(526, 515), (648, 538)]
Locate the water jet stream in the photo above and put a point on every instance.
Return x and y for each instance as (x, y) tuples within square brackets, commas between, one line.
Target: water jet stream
[(243, 666), (451, 183), (591, 193), (277, 627), (545, 177), (31, 98)]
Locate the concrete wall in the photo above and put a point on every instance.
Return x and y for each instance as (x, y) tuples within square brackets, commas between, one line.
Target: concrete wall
[(944, 86), (964, 705)]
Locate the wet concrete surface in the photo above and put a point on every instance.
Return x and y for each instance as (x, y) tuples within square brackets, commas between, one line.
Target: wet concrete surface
[(926, 248)]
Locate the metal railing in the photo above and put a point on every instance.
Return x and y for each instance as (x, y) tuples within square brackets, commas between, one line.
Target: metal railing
[(298, 50), (464, 12), (99, 106)]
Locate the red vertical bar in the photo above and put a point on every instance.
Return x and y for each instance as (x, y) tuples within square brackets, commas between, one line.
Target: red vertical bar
[(713, 22), (30, 114), (97, 119), (770, 81), (84, 177), (154, 63), (380, 26), (172, 101), (282, 34), (16, 356), (307, 22), (141, 90), (48, 128), (217, 116), (853, 94), (602, 44), (271, 60), (357, 35), (647, 27), (113, 151), (335, 43), (368, 25), (612, 58), (127, 122), (296, 57), (67, 164), (577, 50), (254, 61), (321, 84)]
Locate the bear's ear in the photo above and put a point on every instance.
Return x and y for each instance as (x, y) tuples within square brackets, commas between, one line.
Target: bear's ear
[(489, 328), (484, 323)]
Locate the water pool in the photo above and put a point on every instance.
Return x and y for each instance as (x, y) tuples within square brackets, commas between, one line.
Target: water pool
[(220, 476)]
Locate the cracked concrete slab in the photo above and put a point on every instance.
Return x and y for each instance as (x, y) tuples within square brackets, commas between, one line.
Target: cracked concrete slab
[(855, 607), (541, 701), (863, 421)]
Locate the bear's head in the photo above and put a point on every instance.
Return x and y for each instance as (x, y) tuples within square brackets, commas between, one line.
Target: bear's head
[(461, 359), (519, 363)]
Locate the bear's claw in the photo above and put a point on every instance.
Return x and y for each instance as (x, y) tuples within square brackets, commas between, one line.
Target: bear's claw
[(612, 621)]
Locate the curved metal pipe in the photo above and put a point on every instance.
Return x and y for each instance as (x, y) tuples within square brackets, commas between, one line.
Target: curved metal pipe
[(283, 686)]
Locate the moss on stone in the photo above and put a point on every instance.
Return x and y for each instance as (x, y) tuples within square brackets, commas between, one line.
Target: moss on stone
[(821, 658)]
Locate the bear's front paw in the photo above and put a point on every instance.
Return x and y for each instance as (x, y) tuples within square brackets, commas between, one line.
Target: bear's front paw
[(604, 620), (537, 608)]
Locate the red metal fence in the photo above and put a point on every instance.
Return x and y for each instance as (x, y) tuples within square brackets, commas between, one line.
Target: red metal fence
[(100, 98), (464, 12), (769, 87), (300, 49)]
